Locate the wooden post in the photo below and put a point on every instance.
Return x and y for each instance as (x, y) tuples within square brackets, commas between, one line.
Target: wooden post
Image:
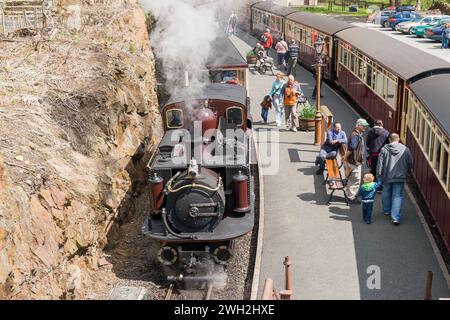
[(428, 283), (318, 119)]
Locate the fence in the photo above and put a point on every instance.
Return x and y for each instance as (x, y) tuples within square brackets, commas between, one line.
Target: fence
[(16, 15)]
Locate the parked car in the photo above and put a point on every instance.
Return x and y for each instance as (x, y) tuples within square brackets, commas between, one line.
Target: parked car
[(399, 17), (435, 32), (405, 27), (419, 31), (382, 17)]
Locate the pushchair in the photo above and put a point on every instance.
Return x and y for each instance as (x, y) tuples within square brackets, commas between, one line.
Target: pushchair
[(265, 62)]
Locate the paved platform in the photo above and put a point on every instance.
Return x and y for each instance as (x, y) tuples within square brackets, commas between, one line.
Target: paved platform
[(332, 250)]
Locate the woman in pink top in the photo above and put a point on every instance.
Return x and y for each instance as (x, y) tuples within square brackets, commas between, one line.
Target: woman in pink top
[(281, 48)]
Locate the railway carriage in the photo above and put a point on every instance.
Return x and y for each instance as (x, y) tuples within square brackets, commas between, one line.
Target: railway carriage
[(224, 65), (428, 136), (272, 16), (306, 28), (375, 78), (245, 15)]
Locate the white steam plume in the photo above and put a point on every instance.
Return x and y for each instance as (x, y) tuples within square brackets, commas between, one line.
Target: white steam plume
[(184, 33)]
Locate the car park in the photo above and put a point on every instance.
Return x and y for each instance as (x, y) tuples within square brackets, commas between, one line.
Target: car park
[(399, 17), (405, 27)]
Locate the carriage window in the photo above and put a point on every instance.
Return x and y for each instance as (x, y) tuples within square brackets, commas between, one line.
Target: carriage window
[(360, 68), (174, 118), (234, 116), (426, 142), (369, 75), (445, 166), (432, 141), (391, 85)]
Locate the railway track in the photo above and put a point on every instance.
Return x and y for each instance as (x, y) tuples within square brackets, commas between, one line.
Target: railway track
[(198, 294)]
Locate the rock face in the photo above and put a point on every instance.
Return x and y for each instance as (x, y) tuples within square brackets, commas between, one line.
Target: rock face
[(78, 118)]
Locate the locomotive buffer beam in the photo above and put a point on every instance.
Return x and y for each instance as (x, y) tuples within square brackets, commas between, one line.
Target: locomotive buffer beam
[(194, 211)]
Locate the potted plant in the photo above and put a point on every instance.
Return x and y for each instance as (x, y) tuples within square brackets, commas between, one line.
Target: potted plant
[(251, 57), (306, 117)]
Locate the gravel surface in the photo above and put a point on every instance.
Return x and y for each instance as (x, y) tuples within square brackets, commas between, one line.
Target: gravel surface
[(130, 261)]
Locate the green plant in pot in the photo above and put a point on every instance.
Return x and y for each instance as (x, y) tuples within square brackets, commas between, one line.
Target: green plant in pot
[(306, 117), (251, 57)]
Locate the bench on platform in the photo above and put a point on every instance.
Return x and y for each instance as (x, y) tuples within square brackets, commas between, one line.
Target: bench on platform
[(334, 178)]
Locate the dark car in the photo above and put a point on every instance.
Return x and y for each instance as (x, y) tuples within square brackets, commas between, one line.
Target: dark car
[(398, 17), (435, 33)]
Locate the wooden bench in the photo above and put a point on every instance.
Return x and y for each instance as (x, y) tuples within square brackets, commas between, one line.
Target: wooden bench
[(334, 178)]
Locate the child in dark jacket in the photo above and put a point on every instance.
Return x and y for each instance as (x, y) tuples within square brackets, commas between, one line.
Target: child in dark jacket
[(266, 104), (367, 193)]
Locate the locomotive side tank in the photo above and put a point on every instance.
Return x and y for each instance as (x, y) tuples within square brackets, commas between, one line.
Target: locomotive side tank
[(201, 181)]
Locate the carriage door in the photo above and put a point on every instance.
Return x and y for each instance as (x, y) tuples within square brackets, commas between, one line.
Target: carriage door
[(400, 114)]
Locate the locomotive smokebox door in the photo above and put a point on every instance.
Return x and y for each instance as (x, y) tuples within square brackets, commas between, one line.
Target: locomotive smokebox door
[(196, 204), (240, 193)]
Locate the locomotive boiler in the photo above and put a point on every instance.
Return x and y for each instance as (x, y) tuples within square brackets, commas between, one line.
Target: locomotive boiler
[(201, 180)]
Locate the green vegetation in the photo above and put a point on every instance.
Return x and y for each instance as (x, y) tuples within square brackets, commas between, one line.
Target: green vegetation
[(307, 112), (335, 9), (251, 54), (133, 48)]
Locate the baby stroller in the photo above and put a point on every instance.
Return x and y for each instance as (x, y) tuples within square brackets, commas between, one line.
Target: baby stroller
[(265, 62)]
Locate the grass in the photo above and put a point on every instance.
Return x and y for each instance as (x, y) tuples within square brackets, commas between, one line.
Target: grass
[(334, 10)]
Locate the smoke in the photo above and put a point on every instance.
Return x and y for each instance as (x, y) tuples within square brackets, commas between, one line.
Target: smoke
[(183, 36)]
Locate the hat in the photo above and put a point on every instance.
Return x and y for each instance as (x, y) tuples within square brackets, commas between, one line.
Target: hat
[(362, 122)]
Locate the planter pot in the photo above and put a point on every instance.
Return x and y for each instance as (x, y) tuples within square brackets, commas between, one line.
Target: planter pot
[(306, 124), (251, 60)]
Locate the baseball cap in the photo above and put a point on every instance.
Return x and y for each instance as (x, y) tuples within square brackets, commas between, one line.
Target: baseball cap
[(362, 122)]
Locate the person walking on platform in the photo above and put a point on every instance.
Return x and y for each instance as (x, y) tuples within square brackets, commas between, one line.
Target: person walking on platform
[(290, 104), (336, 137), (292, 55), (376, 139), (281, 48), (367, 193), (445, 37), (277, 95), (394, 166), (353, 159), (266, 105), (267, 40)]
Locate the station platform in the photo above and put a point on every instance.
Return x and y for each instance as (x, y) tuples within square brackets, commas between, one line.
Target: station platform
[(333, 252)]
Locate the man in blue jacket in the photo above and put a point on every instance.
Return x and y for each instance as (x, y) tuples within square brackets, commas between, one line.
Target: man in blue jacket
[(335, 138), (394, 166)]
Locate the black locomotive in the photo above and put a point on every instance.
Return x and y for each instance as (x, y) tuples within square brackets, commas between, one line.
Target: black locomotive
[(201, 181)]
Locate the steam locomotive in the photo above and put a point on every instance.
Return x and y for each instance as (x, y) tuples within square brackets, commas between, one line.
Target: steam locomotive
[(202, 182)]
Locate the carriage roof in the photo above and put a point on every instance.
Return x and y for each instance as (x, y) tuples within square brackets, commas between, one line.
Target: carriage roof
[(216, 91)]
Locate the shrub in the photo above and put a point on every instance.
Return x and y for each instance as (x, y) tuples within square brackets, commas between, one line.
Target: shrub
[(251, 54), (307, 112)]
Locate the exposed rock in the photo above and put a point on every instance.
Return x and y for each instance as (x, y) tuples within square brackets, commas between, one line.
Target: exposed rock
[(75, 110)]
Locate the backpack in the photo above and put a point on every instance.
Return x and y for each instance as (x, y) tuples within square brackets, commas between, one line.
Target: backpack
[(264, 38), (287, 56)]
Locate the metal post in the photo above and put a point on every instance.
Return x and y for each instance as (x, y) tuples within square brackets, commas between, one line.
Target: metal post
[(287, 293), (318, 119), (428, 283)]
